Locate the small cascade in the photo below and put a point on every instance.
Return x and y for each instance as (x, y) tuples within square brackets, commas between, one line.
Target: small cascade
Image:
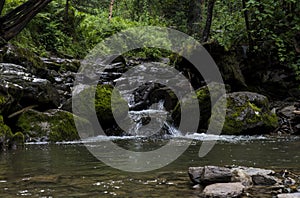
[(152, 121)]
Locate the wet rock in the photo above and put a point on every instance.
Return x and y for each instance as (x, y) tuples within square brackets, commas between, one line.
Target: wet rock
[(239, 175), (142, 96), (289, 195), (215, 174), (26, 88), (61, 65), (195, 174), (290, 118), (265, 180), (165, 94), (6, 103), (5, 135), (52, 125), (108, 108), (253, 171), (24, 57), (247, 113), (223, 190), (204, 102)]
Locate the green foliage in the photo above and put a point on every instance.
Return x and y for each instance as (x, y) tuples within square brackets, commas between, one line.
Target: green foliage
[(228, 26)]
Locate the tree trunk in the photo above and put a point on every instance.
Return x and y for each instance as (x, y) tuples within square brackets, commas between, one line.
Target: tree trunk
[(248, 29), (14, 22), (66, 12), (206, 31), (2, 2), (194, 16), (111, 10)]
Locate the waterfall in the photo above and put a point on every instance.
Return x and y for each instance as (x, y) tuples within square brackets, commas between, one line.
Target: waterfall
[(151, 121)]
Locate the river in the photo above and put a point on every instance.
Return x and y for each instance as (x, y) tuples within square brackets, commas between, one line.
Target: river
[(70, 170)]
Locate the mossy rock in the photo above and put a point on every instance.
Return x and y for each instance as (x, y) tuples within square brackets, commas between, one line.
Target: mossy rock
[(204, 102), (5, 102), (5, 134), (18, 138), (97, 105), (247, 113), (53, 126), (109, 108), (21, 56)]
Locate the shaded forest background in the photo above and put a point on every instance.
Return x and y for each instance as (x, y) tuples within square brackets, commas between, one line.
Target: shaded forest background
[(266, 29)]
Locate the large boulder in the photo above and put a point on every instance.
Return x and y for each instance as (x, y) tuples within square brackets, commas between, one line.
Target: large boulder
[(204, 102), (108, 109), (26, 88), (52, 125), (24, 57), (247, 113)]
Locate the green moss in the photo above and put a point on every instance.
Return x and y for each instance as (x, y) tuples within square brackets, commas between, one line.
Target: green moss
[(22, 56), (2, 100), (54, 125), (242, 118), (5, 134), (18, 138), (109, 108), (63, 127)]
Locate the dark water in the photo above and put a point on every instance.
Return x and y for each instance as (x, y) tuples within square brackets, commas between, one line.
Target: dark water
[(69, 170)]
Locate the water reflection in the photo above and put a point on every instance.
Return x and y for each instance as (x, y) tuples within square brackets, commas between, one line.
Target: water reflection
[(63, 170)]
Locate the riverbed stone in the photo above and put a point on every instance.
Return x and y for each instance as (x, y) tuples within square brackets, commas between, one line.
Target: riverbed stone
[(253, 171), (264, 180), (223, 190), (289, 195), (247, 113), (215, 174), (195, 174), (52, 125)]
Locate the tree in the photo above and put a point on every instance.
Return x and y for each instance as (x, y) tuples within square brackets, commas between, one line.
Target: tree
[(12, 23), (210, 9)]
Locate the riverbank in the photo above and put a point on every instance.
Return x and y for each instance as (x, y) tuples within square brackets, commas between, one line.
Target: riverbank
[(36, 100)]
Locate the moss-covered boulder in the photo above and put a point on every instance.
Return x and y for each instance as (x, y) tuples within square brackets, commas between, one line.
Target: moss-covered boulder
[(6, 103), (5, 134), (97, 105), (22, 56), (53, 125), (247, 113), (109, 108), (204, 102)]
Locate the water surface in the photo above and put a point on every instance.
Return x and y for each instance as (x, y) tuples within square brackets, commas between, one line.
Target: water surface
[(69, 170)]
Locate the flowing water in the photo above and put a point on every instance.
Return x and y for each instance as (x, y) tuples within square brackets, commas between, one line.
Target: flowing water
[(69, 170)]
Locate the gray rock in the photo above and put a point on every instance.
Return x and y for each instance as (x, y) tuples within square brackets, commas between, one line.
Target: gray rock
[(223, 190), (291, 195), (239, 175), (264, 180), (247, 113), (215, 174), (254, 171), (195, 174), (26, 88)]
